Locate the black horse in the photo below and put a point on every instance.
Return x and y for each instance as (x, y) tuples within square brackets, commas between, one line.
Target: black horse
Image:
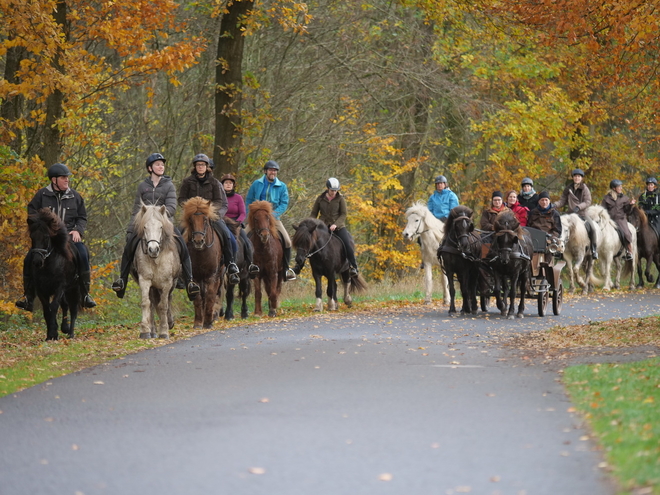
[(459, 254), (54, 268), (510, 259), (245, 283), (327, 258)]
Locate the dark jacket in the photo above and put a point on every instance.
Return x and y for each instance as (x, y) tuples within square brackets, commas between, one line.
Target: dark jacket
[(579, 198), (332, 212), (619, 209), (209, 188), (69, 206), (163, 194), (650, 202), (488, 218), (531, 202), (547, 221)]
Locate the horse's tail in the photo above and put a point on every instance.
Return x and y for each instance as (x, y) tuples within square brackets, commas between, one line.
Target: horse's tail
[(594, 280), (358, 284)]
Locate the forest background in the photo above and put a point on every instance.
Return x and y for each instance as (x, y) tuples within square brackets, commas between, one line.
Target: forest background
[(383, 95)]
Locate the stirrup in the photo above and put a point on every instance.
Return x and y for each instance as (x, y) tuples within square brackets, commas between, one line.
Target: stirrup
[(353, 271), (25, 304), (253, 270), (232, 268), (594, 255), (193, 290), (629, 256), (290, 275), (118, 285), (88, 302), (233, 278)]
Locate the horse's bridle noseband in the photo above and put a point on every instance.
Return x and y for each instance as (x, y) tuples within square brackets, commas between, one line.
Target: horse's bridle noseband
[(203, 234)]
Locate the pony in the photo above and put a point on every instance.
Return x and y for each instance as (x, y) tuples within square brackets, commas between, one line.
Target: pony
[(54, 268), (647, 246), (577, 251), (267, 256), (611, 248), (205, 248), (245, 283), (422, 225), (459, 254), (327, 257), (155, 268), (510, 259)]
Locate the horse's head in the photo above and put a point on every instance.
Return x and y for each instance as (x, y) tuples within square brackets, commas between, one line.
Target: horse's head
[(508, 235), (637, 217), (154, 227), (262, 221), (198, 213), (47, 232), (460, 225), (305, 238), (416, 224)]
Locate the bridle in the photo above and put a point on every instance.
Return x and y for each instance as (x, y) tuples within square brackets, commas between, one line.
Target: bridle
[(44, 253), (203, 233)]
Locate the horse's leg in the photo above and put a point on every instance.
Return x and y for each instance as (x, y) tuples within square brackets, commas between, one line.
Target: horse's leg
[(465, 291), (65, 326), (272, 295), (633, 268), (73, 312), (606, 267), (162, 307), (147, 317), (445, 288), (617, 272), (154, 295), (257, 296), (428, 282), (332, 292), (452, 291), (346, 282), (198, 304), (170, 316), (50, 316), (229, 311), (244, 291), (522, 277), (318, 281)]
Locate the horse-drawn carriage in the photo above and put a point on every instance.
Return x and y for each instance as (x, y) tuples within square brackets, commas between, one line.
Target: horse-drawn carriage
[(545, 280)]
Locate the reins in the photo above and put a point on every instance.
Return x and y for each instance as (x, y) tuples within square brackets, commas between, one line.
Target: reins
[(309, 255)]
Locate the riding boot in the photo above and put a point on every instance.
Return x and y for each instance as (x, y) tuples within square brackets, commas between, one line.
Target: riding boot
[(119, 285), (192, 288), (85, 281), (289, 274), (27, 301), (228, 254), (592, 235), (253, 270)]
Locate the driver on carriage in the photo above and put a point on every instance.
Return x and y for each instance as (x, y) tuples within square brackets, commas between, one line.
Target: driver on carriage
[(201, 183), (578, 198), (649, 201), (69, 205), (157, 189), (619, 206), (489, 213), (546, 218), (442, 200), (270, 188)]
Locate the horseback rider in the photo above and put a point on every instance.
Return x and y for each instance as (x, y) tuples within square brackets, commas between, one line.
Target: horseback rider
[(619, 206), (270, 188), (649, 201), (578, 198), (442, 200), (201, 183), (157, 189), (489, 213), (69, 205), (528, 197), (236, 211), (331, 206)]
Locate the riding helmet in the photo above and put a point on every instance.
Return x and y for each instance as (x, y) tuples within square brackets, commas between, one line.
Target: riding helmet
[(652, 180), (527, 180), (58, 170), (227, 177), (271, 164), (615, 183), (577, 171), (332, 184), (440, 178), (154, 157), (201, 158)]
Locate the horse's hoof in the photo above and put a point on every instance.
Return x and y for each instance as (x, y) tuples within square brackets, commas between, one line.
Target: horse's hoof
[(145, 335), (649, 277), (164, 336), (510, 317), (197, 326), (272, 313), (657, 286), (520, 315)]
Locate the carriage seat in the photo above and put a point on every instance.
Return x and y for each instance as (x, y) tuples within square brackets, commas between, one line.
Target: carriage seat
[(539, 239)]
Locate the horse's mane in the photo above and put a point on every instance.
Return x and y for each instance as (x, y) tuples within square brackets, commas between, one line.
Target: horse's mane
[(507, 220), (258, 206), (199, 205), (305, 234), (436, 226), (457, 212), (146, 213), (45, 218), (599, 214), (641, 215)]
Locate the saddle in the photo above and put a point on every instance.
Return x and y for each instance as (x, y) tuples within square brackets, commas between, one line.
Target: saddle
[(654, 222)]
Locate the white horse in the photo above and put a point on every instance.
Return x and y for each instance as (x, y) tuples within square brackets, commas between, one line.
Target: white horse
[(423, 225), (156, 268), (610, 247), (577, 250)]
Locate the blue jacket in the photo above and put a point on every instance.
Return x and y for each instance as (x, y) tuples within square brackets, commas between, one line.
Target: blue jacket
[(441, 202), (278, 195)]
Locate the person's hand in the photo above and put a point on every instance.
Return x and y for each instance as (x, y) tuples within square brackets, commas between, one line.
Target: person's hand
[(576, 209), (332, 227), (75, 236), (633, 201)]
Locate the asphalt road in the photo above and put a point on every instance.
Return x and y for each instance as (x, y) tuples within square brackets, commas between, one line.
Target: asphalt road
[(401, 402)]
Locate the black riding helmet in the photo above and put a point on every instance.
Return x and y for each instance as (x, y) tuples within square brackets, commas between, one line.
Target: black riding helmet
[(652, 180), (615, 183), (440, 178), (201, 157), (527, 180), (577, 171), (271, 164), (154, 157), (58, 170)]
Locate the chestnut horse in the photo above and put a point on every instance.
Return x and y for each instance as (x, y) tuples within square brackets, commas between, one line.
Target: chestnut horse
[(647, 246), (205, 248), (267, 256)]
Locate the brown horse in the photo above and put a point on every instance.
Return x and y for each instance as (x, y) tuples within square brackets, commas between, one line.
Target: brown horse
[(647, 246), (205, 250), (267, 255)]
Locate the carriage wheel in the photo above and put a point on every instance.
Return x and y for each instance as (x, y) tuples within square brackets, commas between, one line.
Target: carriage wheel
[(543, 299), (557, 298)]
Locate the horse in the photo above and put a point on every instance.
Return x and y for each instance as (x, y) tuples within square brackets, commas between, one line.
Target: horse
[(267, 256), (327, 257), (205, 248), (245, 283), (422, 225), (611, 248), (647, 246), (459, 254), (155, 268), (577, 251), (510, 259), (54, 268)]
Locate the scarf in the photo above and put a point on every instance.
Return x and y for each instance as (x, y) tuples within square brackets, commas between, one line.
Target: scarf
[(528, 194)]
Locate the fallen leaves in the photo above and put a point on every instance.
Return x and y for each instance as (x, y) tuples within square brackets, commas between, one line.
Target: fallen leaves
[(256, 470)]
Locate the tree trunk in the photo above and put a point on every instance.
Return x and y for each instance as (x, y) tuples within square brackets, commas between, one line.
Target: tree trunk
[(228, 92), (12, 107)]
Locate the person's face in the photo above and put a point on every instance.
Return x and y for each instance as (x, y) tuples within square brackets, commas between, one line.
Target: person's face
[(526, 187), (331, 193), (200, 168), (440, 186), (158, 167), (544, 202), (228, 185), (512, 199), (577, 178), (61, 183), (618, 189), (271, 173), (650, 186), (497, 201)]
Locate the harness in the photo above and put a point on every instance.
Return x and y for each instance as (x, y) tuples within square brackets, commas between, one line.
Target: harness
[(514, 253), (203, 234), (450, 245)]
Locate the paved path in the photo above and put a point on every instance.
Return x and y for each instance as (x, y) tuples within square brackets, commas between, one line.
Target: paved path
[(401, 402)]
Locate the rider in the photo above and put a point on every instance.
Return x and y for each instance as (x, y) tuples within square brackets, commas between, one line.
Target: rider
[(270, 188), (157, 189), (236, 211), (514, 205), (489, 213), (69, 205), (528, 197), (545, 217), (201, 183), (331, 205), (578, 198), (649, 201), (442, 200), (618, 206)]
